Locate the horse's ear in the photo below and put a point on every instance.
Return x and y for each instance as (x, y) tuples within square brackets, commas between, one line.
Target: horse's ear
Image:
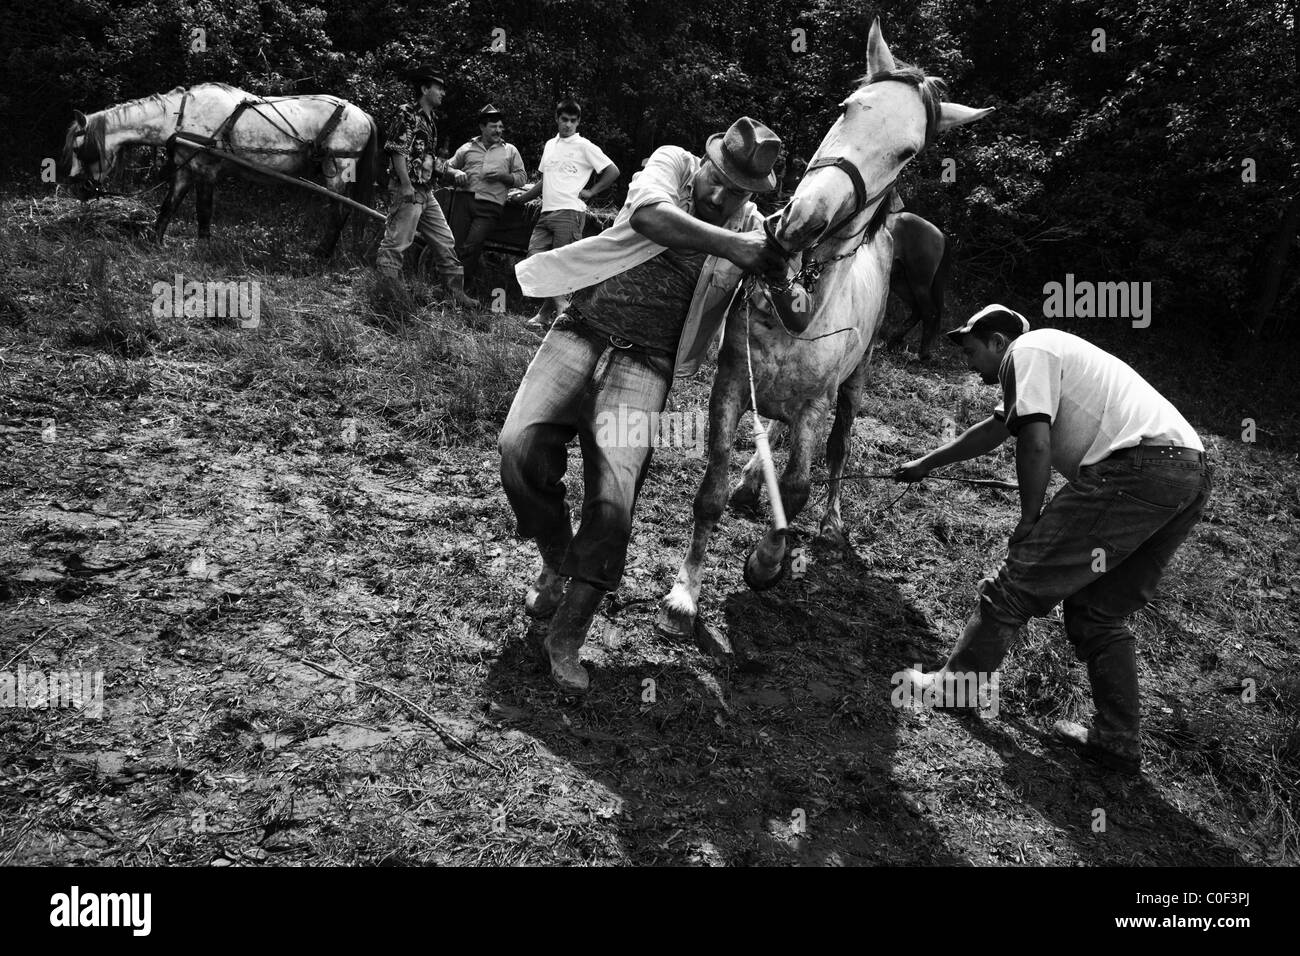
[(879, 59), (79, 118), (954, 114)]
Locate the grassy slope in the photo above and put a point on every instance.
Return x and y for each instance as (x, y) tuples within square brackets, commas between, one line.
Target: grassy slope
[(386, 554)]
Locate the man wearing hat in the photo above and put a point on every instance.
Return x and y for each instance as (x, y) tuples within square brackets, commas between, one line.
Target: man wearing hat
[(410, 144), (662, 278), (493, 167), (1138, 482)]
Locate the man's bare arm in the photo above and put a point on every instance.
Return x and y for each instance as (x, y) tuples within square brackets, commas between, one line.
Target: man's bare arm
[(975, 441), (603, 182), (669, 226), (1033, 468), (529, 193)]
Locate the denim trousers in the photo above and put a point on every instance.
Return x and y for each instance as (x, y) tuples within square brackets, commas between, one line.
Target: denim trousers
[(578, 383), (421, 215), (1100, 548)]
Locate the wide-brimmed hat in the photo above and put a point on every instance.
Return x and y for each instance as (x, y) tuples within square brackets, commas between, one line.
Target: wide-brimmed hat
[(424, 73), (992, 318), (489, 113), (746, 154)]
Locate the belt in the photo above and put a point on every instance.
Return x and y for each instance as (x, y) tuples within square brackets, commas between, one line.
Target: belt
[(577, 322), (1158, 453)]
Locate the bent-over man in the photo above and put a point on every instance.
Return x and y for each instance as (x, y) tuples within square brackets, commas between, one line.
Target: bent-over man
[(664, 274), (1138, 482)]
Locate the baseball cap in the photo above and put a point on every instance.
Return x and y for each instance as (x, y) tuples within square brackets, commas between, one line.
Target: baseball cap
[(992, 318)]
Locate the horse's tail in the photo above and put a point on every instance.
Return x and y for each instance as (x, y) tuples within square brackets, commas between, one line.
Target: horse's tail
[(368, 167)]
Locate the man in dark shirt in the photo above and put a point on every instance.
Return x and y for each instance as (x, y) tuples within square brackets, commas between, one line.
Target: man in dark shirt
[(410, 144), (664, 276), (634, 305)]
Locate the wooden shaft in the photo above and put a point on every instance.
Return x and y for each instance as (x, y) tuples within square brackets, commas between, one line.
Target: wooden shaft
[(292, 180)]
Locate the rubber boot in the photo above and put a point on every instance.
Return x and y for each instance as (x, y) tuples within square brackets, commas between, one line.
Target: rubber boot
[(455, 284), (544, 596), (568, 633), (1114, 738), (980, 650)]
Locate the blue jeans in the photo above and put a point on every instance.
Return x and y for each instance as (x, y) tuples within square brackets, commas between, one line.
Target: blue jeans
[(578, 384), (1100, 547)]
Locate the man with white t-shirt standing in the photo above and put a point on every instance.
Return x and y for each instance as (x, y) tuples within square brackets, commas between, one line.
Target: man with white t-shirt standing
[(1138, 482), (568, 160)]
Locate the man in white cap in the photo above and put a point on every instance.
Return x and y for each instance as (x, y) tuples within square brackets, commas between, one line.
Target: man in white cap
[(1138, 482), (664, 275)]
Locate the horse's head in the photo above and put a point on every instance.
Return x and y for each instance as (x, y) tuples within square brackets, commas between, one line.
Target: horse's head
[(887, 121), (85, 156)]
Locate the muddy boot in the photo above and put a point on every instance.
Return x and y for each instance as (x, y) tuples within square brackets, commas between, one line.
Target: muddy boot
[(544, 596), (568, 633), (1113, 740), (455, 284)]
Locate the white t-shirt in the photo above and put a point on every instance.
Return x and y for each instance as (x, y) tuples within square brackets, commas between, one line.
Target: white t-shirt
[(567, 164), (1095, 403)]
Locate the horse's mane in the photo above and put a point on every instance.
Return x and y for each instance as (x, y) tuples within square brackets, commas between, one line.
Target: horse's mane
[(932, 91)]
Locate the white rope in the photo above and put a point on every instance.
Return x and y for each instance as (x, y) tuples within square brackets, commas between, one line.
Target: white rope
[(761, 446)]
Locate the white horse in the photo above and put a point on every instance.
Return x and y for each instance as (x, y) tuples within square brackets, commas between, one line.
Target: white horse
[(287, 134), (834, 220)]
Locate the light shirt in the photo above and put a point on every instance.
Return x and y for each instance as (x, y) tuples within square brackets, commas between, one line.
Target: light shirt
[(1095, 403), (477, 159), (666, 178), (567, 165)]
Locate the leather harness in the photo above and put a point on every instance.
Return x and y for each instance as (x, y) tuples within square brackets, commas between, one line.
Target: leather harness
[(314, 150)]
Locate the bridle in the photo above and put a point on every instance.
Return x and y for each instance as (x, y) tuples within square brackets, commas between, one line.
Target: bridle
[(87, 154), (812, 267)]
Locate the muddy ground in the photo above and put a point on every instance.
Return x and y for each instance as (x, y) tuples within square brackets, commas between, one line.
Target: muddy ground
[(287, 551)]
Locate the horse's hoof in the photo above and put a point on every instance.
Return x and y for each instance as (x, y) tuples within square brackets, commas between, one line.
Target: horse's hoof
[(755, 581), (675, 625), (831, 537)]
